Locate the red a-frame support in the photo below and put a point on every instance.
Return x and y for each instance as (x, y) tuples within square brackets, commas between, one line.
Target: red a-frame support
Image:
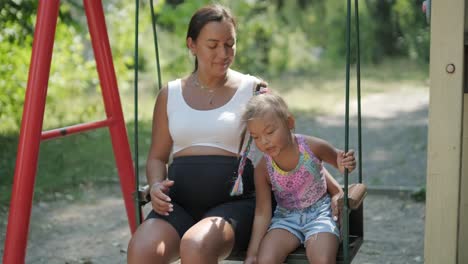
[(33, 114)]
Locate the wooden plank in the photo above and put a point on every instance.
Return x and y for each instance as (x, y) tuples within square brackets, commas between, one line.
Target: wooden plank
[(445, 132)]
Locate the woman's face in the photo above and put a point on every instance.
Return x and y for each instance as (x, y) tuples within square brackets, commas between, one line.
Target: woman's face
[(215, 47)]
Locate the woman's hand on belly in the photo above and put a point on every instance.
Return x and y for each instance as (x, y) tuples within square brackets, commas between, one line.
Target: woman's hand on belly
[(160, 201)]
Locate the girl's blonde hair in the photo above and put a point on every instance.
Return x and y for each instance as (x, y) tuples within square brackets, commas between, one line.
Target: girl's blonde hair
[(265, 103)]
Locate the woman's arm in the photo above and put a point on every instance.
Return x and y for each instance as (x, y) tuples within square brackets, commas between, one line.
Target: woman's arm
[(262, 211), (333, 187), (158, 156), (335, 191)]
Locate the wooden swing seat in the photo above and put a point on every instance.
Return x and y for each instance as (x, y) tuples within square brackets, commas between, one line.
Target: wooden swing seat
[(356, 194)]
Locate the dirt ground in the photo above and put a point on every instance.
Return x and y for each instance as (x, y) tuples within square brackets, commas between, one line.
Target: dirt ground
[(94, 229)]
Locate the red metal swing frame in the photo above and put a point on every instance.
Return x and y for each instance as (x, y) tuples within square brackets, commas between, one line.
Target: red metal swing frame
[(31, 133)]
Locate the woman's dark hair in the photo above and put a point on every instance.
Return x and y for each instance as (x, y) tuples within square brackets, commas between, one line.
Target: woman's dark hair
[(205, 15)]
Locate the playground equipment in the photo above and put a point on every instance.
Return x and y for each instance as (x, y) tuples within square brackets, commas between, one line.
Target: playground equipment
[(352, 200), (33, 115), (31, 133)]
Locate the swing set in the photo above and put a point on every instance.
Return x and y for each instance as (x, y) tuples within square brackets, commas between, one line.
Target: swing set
[(135, 198)]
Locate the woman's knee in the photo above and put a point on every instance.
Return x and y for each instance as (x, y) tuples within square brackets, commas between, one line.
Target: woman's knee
[(191, 248), (208, 246), (214, 237), (153, 242)]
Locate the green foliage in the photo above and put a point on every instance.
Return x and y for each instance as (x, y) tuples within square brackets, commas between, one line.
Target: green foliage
[(15, 18), (16, 25), (256, 37), (13, 68), (8, 145), (172, 21), (71, 77), (420, 195), (298, 36), (335, 32), (400, 29), (73, 73), (414, 39)]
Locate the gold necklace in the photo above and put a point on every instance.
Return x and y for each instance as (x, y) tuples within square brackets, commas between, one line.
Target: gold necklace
[(205, 88)]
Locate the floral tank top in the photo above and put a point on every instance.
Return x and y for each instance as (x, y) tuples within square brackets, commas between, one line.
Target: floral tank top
[(302, 186)]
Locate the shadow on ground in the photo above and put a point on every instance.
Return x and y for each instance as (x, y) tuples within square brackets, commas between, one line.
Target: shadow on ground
[(393, 148)]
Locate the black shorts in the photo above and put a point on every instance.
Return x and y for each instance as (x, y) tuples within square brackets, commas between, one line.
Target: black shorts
[(202, 186)]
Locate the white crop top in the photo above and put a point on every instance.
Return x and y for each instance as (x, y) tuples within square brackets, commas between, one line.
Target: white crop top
[(218, 127)]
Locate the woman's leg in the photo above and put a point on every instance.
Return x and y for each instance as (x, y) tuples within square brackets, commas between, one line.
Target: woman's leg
[(223, 229), (155, 241), (321, 248), (276, 246), (208, 241)]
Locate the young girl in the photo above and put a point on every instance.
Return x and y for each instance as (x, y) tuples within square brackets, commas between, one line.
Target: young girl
[(299, 183)]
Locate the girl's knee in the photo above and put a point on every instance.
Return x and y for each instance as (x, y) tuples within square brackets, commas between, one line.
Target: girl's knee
[(324, 259), (268, 258)]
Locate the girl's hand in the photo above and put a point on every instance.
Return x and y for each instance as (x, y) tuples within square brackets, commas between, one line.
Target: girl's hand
[(346, 161), (250, 260), (159, 198)]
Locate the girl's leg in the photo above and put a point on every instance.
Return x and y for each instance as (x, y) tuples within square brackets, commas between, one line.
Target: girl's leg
[(155, 241), (276, 246), (321, 248), (208, 241)]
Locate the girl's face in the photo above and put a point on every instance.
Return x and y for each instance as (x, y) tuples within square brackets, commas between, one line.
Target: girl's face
[(215, 47), (271, 135)]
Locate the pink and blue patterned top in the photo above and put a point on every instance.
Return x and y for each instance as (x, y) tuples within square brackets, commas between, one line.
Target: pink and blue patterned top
[(302, 186)]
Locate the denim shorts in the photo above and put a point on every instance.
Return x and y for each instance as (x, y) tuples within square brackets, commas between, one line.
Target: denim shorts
[(303, 223)]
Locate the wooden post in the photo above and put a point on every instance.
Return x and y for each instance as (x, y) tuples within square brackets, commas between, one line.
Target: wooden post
[(444, 170)]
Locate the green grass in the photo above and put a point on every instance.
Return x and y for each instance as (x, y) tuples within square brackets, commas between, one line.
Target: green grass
[(70, 164), (420, 195)]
